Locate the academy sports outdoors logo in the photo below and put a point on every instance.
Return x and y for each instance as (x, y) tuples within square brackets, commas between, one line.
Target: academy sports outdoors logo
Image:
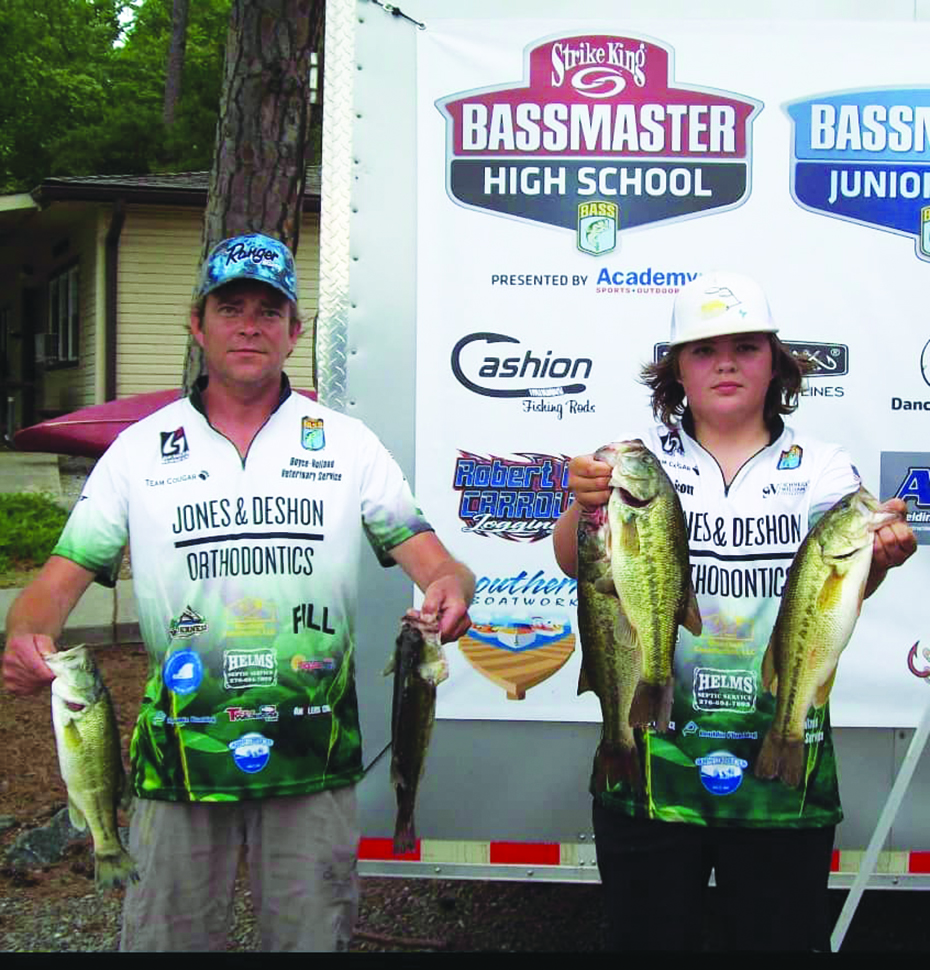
[(174, 446), (514, 499), (598, 140), (864, 156)]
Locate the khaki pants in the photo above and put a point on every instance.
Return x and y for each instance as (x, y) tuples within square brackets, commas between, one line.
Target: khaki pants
[(301, 851)]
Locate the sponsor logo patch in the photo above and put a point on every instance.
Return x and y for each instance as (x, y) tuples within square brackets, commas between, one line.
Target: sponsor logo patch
[(174, 446)]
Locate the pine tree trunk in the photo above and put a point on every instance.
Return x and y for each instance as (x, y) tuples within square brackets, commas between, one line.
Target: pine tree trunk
[(259, 165), (176, 53)]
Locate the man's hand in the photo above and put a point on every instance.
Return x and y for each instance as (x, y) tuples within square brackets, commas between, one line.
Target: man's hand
[(24, 670), (445, 599)]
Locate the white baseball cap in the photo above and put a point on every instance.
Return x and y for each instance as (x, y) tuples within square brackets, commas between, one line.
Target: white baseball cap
[(720, 303)]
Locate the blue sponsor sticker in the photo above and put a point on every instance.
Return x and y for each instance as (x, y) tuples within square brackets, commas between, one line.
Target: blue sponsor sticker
[(251, 752), (721, 772), (183, 672)]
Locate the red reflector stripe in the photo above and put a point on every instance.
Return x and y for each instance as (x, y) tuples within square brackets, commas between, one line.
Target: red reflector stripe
[(835, 861), (918, 862), (382, 849), (525, 853)]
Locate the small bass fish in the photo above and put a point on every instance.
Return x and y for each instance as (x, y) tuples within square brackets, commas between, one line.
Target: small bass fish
[(819, 609), (89, 757), (419, 665)]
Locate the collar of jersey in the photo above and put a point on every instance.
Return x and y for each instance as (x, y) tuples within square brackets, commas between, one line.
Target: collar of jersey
[(775, 428), (196, 395)]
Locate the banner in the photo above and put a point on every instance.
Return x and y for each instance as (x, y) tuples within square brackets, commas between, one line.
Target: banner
[(572, 176)]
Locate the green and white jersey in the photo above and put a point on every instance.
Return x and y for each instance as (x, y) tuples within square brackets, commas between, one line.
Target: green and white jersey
[(742, 539), (245, 576)]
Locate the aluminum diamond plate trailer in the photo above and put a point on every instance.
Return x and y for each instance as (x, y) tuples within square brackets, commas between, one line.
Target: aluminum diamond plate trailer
[(503, 799)]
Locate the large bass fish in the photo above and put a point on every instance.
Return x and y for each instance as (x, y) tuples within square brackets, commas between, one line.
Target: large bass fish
[(87, 738), (634, 591), (819, 609)]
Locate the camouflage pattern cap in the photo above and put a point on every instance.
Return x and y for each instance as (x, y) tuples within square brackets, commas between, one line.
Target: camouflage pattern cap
[(252, 256)]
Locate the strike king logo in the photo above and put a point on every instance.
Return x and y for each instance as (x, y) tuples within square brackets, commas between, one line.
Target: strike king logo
[(863, 156), (513, 499), (598, 139), (906, 475)]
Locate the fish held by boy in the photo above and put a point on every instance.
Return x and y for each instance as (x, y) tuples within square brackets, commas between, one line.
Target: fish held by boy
[(819, 608), (419, 666), (611, 658), (650, 572), (89, 757)]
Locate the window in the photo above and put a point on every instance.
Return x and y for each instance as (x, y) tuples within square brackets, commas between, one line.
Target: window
[(62, 340)]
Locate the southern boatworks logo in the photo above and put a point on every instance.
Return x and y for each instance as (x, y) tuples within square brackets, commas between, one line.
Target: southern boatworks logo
[(598, 138)]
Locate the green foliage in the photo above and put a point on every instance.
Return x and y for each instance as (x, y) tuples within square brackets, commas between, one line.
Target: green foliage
[(30, 524), (84, 97)]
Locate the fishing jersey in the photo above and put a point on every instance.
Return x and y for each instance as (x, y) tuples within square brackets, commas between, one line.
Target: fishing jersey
[(245, 576), (742, 539)]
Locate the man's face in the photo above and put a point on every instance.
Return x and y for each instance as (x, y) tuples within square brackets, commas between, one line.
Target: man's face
[(246, 333)]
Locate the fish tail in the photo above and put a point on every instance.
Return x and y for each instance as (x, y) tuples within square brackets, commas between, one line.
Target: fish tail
[(615, 763), (781, 757), (405, 836), (652, 704), (114, 869)]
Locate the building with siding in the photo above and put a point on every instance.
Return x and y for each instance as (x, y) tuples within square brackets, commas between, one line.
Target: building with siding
[(96, 279)]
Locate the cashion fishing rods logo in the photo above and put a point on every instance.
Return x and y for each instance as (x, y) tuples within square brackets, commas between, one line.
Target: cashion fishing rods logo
[(598, 140)]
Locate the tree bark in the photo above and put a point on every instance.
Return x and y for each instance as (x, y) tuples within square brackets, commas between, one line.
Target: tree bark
[(259, 165), (176, 53)]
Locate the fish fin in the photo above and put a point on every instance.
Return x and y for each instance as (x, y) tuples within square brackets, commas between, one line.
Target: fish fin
[(624, 631), (652, 704), (584, 684), (615, 763), (823, 691), (405, 836), (830, 592), (76, 816), (691, 621), (769, 672), (781, 757), (114, 870), (629, 538)]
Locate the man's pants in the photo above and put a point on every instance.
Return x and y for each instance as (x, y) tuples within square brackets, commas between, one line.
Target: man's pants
[(771, 885), (302, 857)]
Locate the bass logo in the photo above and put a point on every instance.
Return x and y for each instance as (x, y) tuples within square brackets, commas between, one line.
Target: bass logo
[(311, 434), (791, 458), (598, 223)]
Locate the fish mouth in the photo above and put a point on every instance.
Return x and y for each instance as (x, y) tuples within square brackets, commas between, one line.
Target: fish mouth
[(630, 499)]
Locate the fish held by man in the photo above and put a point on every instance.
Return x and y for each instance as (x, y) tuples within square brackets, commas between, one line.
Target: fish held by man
[(90, 760), (819, 608), (651, 573), (611, 658), (419, 666)]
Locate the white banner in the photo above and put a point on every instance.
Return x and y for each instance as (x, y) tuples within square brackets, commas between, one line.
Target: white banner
[(571, 176)]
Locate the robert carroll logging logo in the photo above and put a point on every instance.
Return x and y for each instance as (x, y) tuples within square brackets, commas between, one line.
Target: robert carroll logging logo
[(597, 141)]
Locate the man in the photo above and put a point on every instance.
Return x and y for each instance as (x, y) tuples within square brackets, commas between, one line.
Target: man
[(244, 506)]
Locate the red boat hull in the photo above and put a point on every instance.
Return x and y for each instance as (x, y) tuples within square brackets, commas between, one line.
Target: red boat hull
[(91, 430)]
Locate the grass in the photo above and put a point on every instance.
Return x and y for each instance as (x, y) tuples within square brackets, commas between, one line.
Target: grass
[(30, 524)]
